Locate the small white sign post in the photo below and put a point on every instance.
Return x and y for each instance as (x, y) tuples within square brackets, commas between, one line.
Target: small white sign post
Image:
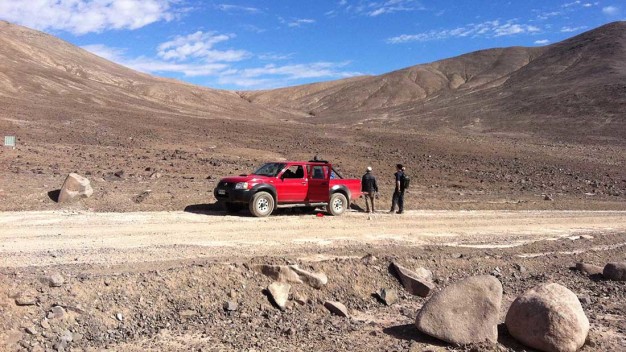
[(9, 141)]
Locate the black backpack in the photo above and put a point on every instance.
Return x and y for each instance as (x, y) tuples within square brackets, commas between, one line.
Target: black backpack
[(406, 181)]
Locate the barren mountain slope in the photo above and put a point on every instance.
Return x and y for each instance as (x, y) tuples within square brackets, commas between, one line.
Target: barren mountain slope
[(572, 89), (38, 70), (472, 71)]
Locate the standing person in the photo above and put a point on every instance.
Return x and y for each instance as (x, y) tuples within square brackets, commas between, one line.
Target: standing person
[(398, 193), (369, 188)]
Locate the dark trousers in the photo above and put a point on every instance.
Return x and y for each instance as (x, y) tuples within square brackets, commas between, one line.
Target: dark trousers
[(398, 198)]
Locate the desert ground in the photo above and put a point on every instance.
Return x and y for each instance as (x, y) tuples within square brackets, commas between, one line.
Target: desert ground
[(509, 178), (159, 281)]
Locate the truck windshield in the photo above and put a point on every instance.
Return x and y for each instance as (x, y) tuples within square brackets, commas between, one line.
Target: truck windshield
[(269, 169)]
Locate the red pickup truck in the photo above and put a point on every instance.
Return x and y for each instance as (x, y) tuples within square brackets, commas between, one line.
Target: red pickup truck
[(288, 184)]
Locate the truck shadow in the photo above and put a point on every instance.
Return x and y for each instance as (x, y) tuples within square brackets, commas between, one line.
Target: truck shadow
[(215, 209)]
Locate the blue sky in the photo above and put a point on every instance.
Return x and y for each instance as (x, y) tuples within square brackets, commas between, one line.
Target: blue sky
[(244, 45)]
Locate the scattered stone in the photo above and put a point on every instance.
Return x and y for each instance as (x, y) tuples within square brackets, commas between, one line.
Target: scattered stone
[(549, 318), (119, 317), (232, 294), (547, 197), (155, 175), (336, 308), (45, 324), (615, 271), (56, 312), (452, 314), (586, 237), (388, 296), (589, 269), (584, 299), (280, 273), (230, 306), (293, 274), (456, 255), (56, 280), (119, 174), (368, 259), (315, 280), (417, 283), (520, 268), (299, 298), (187, 313), (280, 293), (26, 301), (142, 196), (74, 186), (31, 330)]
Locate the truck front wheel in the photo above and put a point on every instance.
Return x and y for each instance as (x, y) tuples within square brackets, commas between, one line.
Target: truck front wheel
[(338, 204), (261, 204)]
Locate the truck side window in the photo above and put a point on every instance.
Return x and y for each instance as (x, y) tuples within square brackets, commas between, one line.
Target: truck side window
[(294, 171), (319, 173)]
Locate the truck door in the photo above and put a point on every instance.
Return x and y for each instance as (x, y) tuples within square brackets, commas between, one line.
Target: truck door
[(292, 185), (318, 183)]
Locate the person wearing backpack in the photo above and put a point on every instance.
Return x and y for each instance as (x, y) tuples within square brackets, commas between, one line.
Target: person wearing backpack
[(398, 193)]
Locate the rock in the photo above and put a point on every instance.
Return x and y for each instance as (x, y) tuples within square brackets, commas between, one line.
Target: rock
[(75, 186), (417, 283), (45, 324), (56, 280), (142, 196), (119, 316), (452, 314), (26, 301), (155, 175), (31, 330), (280, 293), (336, 308), (293, 274), (280, 273), (589, 269), (56, 312), (230, 306), (547, 197), (549, 318), (584, 299), (368, 259), (389, 296), (299, 298), (615, 271), (315, 280)]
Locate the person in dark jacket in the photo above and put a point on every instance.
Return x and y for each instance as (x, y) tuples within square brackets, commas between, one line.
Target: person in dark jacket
[(369, 189), (398, 193)]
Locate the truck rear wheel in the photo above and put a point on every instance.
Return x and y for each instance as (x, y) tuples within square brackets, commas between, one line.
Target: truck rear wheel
[(338, 204), (261, 204)]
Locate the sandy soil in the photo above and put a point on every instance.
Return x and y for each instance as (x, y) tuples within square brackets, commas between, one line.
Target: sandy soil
[(55, 237), (158, 281)]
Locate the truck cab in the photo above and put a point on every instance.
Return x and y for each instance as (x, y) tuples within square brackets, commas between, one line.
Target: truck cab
[(305, 184)]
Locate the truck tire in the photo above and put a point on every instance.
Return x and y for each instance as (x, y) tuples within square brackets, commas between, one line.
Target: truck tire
[(261, 204), (338, 204), (233, 207)]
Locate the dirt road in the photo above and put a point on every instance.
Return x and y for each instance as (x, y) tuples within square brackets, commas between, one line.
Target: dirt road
[(55, 237)]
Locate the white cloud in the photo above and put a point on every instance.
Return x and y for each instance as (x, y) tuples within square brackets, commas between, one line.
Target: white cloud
[(85, 16), (542, 42), (611, 10), (199, 45), (299, 22), (237, 8), (484, 29), (568, 29), (377, 8), (224, 73)]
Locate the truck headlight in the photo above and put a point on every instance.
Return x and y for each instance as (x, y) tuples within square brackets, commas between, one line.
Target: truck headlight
[(241, 185)]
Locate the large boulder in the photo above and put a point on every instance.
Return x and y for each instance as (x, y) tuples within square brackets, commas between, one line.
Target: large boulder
[(417, 282), (75, 186), (463, 313), (549, 318), (615, 271)]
